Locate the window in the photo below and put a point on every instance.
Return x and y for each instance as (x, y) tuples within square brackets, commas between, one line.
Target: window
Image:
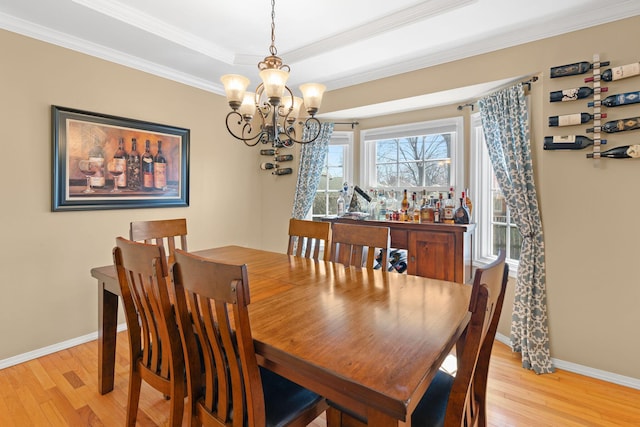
[(494, 229), (337, 170), (414, 157)]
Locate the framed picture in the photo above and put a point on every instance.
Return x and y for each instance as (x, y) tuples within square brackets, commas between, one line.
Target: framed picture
[(109, 162)]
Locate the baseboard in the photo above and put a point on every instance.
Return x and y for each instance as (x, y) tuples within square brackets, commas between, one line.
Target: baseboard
[(25, 357), (585, 370)]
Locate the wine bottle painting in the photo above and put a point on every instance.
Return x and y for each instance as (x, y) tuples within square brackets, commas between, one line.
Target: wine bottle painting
[(115, 148)]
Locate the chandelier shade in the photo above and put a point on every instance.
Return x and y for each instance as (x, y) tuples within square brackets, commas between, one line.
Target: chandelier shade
[(271, 114)]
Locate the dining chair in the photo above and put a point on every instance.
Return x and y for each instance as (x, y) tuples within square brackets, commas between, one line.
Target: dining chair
[(225, 384), (309, 238), (154, 339), (355, 244), (164, 232), (460, 399)]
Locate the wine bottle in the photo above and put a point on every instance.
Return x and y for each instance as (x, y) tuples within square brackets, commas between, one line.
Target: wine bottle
[(120, 161), (573, 69), (621, 152), (283, 158), (617, 100), (160, 169), (269, 152), (96, 155), (574, 93), (618, 73), (133, 167), (568, 142), (618, 125), (282, 171), (147, 167), (461, 215), (268, 165), (404, 205), (574, 119)]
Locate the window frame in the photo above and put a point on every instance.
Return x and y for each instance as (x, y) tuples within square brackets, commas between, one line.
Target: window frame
[(344, 138), (481, 173), (368, 138)]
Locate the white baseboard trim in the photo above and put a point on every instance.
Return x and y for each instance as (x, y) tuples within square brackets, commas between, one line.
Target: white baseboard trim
[(585, 370), (25, 357)]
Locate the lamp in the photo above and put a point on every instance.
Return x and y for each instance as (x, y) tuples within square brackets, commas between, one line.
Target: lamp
[(277, 119)]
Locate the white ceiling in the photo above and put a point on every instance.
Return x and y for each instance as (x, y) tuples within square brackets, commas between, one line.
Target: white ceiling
[(335, 42)]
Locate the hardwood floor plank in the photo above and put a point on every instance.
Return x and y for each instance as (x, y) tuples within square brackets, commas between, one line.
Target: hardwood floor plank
[(61, 389)]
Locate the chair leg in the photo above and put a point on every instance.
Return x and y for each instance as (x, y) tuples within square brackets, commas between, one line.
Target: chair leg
[(177, 405), (334, 417), (135, 383)]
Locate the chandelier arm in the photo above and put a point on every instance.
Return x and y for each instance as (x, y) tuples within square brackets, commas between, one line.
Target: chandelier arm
[(307, 124), (245, 126)]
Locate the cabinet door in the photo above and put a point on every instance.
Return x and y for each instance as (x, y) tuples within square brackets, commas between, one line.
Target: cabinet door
[(432, 254)]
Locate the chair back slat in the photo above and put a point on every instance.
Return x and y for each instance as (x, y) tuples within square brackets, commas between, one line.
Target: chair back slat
[(309, 239), (354, 244), (164, 232)]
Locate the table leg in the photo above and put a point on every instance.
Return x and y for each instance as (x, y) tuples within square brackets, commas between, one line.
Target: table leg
[(107, 329)]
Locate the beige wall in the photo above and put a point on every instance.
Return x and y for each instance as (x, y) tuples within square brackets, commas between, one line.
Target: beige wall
[(48, 295)]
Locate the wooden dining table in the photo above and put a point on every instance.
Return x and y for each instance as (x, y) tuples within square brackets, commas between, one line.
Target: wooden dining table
[(369, 340)]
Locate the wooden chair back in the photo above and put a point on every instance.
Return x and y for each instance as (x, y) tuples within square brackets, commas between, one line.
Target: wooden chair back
[(309, 239), (467, 399), (224, 381), (355, 244), (164, 232), (154, 339)]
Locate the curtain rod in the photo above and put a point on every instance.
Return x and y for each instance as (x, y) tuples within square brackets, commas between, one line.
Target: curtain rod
[(353, 124), (527, 82)]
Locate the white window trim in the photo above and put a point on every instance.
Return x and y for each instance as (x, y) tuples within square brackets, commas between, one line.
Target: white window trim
[(367, 153), (481, 178)]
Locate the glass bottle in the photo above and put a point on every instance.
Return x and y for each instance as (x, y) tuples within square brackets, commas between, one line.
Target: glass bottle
[(404, 206), (282, 171), (617, 73), (382, 206), (437, 213), (426, 211), (341, 203), (617, 100), (96, 155), (573, 69), (147, 167), (449, 208), (415, 211), (268, 165), (621, 152), (574, 119), (461, 215), (568, 142), (160, 169), (120, 162), (574, 93), (133, 167), (618, 125)]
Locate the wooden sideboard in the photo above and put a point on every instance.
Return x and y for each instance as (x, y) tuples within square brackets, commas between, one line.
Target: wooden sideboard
[(438, 251)]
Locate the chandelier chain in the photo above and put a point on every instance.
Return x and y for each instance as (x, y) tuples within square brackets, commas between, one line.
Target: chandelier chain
[(272, 48)]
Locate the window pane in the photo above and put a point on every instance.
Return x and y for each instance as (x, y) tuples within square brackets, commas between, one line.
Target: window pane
[(499, 238), (386, 151), (335, 155), (437, 173), (410, 149), (438, 146), (499, 207), (336, 178), (410, 175), (319, 204), (515, 243), (387, 175)]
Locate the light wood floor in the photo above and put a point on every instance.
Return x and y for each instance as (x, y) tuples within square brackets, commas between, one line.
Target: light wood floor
[(61, 390)]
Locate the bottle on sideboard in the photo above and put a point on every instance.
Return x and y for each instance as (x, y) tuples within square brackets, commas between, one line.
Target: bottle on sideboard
[(120, 160), (574, 119), (282, 171), (461, 215), (147, 167), (404, 205), (574, 93), (617, 125), (159, 169), (617, 100), (574, 69), (617, 73), (621, 152), (341, 203), (468, 203), (449, 208), (568, 142), (133, 167)]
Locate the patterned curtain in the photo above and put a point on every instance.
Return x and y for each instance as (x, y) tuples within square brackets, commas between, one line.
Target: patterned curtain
[(505, 121), (312, 157)]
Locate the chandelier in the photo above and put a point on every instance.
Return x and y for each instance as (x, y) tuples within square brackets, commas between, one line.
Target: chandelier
[(277, 122)]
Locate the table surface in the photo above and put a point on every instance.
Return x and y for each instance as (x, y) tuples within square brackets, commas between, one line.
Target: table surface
[(367, 339)]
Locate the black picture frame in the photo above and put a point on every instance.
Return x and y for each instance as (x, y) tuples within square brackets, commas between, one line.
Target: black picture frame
[(77, 133)]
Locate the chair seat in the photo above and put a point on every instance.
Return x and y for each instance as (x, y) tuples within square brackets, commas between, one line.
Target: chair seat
[(431, 408), (284, 400)]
